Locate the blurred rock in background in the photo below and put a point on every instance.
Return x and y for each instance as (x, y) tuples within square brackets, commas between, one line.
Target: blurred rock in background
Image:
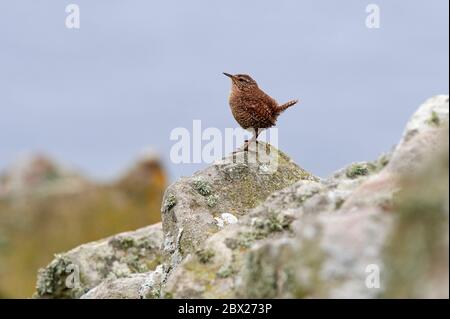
[(46, 208)]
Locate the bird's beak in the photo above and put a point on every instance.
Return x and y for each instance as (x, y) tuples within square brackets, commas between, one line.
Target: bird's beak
[(228, 74)]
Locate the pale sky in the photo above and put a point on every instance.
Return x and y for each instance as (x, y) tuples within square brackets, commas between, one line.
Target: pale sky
[(135, 70)]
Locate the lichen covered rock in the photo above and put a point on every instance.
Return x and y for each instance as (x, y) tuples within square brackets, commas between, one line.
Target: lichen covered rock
[(417, 250), (120, 288), (193, 205), (249, 229), (323, 239), (434, 113), (72, 274)]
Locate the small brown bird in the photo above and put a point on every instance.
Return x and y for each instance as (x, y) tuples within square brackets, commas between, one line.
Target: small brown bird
[(251, 107)]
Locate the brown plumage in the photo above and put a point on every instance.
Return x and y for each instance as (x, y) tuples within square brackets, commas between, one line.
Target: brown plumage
[(251, 107)]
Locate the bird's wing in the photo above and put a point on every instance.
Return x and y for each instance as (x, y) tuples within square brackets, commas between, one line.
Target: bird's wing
[(260, 110)]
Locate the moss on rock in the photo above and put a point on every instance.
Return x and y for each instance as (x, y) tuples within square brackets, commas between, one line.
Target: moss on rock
[(52, 280), (434, 119), (360, 169), (202, 187), (212, 200), (205, 255), (170, 202)]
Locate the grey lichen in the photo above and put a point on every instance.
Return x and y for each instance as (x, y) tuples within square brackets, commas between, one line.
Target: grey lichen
[(205, 255), (236, 172), (306, 195), (225, 272), (359, 169), (167, 295), (170, 202), (212, 200), (383, 160), (231, 243), (51, 280), (434, 119), (272, 223), (262, 228), (246, 239), (202, 187), (260, 278), (275, 223), (122, 243), (135, 264)]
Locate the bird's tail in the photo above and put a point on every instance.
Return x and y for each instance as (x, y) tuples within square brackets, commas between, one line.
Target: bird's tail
[(283, 107)]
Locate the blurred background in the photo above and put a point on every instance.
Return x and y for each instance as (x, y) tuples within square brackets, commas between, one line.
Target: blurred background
[(86, 114)]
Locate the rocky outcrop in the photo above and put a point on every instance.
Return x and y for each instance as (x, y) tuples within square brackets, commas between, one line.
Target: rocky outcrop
[(265, 228), (198, 206), (76, 272)]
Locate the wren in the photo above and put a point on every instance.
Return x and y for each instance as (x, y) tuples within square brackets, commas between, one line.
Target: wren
[(252, 108)]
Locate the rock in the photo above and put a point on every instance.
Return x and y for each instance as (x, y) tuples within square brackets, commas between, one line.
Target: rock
[(151, 287), (39, 175), (411, 155), (250, 230), (135, 286), (323, 239), (327, 258), (432, 114), (286, 248), (146, 174), (421, 135), (122, 288), (47, 207), (193, 206), (417, 249), (72, 274)]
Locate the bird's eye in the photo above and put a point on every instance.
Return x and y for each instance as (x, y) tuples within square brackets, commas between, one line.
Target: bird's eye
[(242, 80)]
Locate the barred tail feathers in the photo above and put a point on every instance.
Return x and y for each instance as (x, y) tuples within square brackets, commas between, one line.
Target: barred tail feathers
[(284, 106)]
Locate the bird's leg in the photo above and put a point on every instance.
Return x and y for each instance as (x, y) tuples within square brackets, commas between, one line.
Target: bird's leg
[(257, 131), (246, 145), (254, 139)]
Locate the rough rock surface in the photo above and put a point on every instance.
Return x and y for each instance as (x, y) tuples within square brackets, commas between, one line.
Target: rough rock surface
[(253, 230), (74, 273), (197, 206), (121, 288)]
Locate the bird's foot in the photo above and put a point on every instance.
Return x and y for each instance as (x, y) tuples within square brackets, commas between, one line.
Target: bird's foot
[(246, 144)]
